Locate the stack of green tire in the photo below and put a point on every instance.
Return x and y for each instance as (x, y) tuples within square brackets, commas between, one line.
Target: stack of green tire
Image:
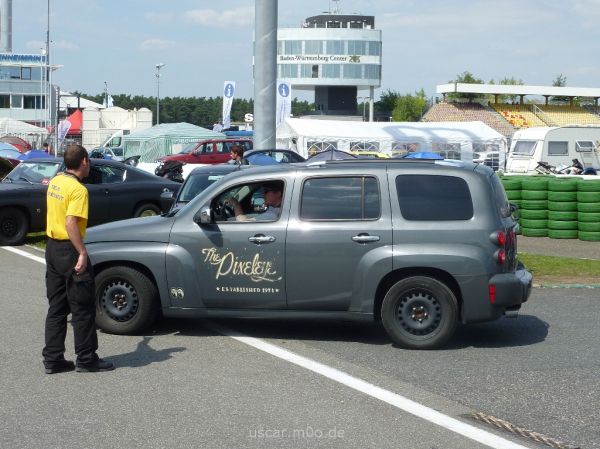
[(512, 186), (534, 206), (588, 209), (562, 208)]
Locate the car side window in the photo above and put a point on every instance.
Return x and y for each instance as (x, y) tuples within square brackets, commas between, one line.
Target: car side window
[(434, 197), (258, 201), (221, 147), (340, 198), (104, 174)]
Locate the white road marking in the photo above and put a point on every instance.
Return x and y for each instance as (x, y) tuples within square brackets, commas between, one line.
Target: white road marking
[(24, 254), (396, 400)]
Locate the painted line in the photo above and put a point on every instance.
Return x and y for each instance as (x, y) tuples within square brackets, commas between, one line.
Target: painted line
[(20, 252), (396, 400)]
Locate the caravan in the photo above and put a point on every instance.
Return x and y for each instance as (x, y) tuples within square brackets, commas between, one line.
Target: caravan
[(555, 146)]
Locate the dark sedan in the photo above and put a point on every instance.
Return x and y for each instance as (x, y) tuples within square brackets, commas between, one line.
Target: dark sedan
[(117, 191)]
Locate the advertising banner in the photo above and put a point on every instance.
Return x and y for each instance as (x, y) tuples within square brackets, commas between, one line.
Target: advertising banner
[(63, 128), (284, 102), (228, 93)]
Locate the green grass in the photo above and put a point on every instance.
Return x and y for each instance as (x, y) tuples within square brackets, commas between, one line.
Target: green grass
[(37, 239), (560, 266)]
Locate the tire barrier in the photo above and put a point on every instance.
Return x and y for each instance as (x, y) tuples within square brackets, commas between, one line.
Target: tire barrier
[(588, 210)]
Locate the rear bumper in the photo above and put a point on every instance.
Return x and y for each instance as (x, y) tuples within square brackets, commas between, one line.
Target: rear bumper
[(512, 289)]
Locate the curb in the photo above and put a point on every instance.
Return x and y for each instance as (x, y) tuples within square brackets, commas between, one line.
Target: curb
[(587, 286)]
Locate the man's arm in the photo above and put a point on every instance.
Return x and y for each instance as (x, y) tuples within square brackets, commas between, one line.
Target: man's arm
[(77, 241)]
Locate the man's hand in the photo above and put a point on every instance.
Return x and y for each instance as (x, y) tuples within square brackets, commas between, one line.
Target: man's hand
[(81, 264), (77, 241)]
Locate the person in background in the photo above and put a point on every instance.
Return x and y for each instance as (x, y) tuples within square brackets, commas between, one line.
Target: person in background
[(237, 155), (46, 147), (69, 277)]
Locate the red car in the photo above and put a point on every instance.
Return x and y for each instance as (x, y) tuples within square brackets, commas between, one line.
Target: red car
[(213, 151)]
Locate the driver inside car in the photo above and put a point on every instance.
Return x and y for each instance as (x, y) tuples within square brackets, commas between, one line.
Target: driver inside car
[(273, 194)]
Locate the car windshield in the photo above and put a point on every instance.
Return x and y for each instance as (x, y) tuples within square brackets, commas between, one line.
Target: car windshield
[(189, 148), (196, 184), (34, 172)]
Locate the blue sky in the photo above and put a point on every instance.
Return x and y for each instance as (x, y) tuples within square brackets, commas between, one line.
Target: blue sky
[(203, 43)]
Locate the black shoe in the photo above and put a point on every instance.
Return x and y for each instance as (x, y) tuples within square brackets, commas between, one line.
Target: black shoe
[(62, 366), (94, 367)]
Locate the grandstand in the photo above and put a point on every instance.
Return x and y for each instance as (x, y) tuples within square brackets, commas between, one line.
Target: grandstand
[(468, 112), (506, 118)]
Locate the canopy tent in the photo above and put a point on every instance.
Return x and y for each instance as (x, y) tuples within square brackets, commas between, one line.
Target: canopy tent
[(452, 140), (33, 135), (76, 119), (17, 142), (164, 139)]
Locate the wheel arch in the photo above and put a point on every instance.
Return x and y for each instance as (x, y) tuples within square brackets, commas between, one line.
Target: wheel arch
[(402, 273), (102, 266), (26, 213)]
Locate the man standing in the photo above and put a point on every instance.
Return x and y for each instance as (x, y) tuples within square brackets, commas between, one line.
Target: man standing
[(69, 277)]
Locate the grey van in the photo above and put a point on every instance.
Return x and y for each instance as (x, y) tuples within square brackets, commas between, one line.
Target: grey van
[(421, 245)]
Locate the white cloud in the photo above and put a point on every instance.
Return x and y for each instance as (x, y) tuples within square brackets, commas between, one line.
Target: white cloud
[(156, 44), (220, 19)]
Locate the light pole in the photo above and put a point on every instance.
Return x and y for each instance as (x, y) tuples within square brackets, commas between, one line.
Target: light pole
[(159, 66), (363, 106)]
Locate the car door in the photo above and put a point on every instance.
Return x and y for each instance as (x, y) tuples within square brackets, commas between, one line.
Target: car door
[(229, 264), (222, 152), (99, 195), (338, 243), (206, 155)]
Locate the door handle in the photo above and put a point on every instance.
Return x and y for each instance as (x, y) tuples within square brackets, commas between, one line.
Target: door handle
[(259, 239), (365, 238)]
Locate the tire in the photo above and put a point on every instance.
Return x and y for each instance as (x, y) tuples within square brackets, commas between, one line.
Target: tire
[(534, 214), (562, 196), (513, 195), (534, 194), (562, 225), (138, 298), (419, 295), (562, 206), (534, 204), (535, 183), (588, 197), (147, 210), (588, 207), (588, 217), (533, 224), (588, 186), (563, 233), (13, 226), (589, 236), (511, 183), (589, 227), (527, 232), (562, 216), (562, 185)]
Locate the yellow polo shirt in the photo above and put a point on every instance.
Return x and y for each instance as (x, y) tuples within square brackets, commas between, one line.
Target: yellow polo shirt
[(66, 196)]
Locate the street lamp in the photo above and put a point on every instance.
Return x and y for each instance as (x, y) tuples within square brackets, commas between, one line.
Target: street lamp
[(159, 66)]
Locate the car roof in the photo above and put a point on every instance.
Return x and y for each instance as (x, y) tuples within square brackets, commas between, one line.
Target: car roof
[(216, 169)]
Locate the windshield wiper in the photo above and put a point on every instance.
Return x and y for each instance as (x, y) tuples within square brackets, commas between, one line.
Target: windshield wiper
[(25, 179)]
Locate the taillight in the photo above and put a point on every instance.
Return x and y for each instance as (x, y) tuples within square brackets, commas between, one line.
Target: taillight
[(501, 256), (492, 293), (498, 238)]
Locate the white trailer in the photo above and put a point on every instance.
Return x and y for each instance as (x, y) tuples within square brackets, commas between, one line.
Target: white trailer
[(554, 145)]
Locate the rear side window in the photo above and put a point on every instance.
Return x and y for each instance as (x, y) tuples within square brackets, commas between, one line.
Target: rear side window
[(558, 148), (340, 198), (524, 147), (433, 197)]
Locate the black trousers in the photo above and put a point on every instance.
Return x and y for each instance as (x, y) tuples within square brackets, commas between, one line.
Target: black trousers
[(69, 293)]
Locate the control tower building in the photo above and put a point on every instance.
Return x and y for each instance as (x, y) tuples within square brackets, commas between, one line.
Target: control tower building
[(334, 54)]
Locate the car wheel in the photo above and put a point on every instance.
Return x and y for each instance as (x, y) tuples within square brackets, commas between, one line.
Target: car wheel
[(13, 226), (147, 210), (419, 312), (126, 300)]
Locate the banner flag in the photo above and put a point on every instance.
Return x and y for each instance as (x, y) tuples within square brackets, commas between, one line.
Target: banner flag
[(284, 102), (228, 93), (63, 128)]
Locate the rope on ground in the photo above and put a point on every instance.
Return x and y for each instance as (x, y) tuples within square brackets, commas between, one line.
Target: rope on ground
[(536, 436)]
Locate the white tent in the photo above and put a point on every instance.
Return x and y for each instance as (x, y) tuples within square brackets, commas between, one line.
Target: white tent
[(30, 133), (453, 140)]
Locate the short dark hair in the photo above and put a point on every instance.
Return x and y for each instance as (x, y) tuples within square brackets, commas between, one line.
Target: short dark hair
[(276, 186), (74, 156), (45, 144), (237, 150)]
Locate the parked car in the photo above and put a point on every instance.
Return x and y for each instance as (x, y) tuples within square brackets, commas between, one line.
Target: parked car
[(116, 190), (213, 151), (279, 155), (421, 245), (112, 153)]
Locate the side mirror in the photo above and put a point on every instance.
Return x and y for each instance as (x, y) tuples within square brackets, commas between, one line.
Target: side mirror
[(203, 216), (166, 200)]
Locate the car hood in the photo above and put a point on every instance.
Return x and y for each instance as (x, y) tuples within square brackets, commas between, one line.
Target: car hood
[(143, 229)]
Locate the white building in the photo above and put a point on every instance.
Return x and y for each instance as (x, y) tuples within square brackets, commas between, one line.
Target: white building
[(335, 55)]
